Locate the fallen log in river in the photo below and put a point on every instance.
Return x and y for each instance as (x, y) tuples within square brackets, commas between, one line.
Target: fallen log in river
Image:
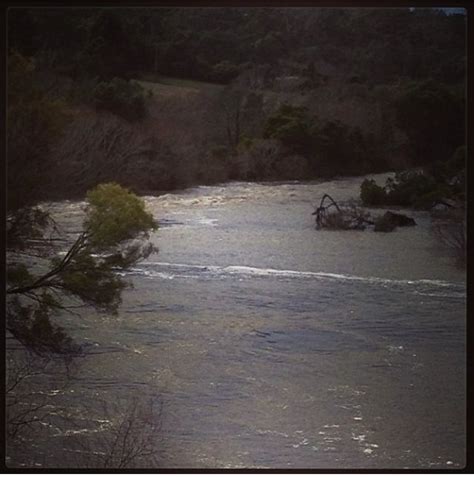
[(330, 215)]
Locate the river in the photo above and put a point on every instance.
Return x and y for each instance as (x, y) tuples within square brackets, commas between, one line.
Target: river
[(270, 344)]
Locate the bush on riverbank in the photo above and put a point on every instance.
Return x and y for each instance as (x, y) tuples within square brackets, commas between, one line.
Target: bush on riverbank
[(412, 188), (372, 194)]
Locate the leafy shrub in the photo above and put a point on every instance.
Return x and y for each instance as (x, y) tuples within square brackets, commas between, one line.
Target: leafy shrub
[(121, 97), (115, 215), (372, 194), (331, 147), (291, 125), (431, 197), (408, 187)]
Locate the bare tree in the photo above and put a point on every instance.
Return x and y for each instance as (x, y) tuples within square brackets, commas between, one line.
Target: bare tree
[(261, 160), (126, 435), (112, 432), (26, 405), (239, 112), (349, 217), (100, 147), (232, 107)]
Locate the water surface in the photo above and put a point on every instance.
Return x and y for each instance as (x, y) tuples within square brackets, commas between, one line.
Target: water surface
[(273, 345)]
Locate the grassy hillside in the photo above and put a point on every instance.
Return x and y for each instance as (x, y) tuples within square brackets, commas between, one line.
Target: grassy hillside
[(230, 93)]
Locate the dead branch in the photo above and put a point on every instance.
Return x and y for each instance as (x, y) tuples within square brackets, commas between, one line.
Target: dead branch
[(127, 436), (349, 218)]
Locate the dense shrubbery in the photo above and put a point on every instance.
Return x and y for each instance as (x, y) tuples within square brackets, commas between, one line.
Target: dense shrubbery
[(417, 188), (291, 125), (409, 188), (331, 147), (372, 194), (258, 160), (432, 116), (413, 188), (34, 122), (121, 97), (192, 42), (341, 149), (370, 106)]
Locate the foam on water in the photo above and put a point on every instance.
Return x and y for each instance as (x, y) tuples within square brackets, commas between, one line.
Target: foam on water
[(429, 286)]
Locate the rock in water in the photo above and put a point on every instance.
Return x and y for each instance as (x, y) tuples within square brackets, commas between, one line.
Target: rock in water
[(390, 220), (399, 219)]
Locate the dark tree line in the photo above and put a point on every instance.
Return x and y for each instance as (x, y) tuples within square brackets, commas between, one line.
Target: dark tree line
[(216, 44), (395, 75)]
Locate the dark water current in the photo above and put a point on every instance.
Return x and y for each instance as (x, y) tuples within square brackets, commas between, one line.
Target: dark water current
[(273, 345)]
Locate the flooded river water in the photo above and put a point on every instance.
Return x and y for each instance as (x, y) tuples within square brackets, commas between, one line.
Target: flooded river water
[(273, 345)]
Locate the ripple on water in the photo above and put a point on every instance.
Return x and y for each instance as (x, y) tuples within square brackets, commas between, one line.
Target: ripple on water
[(255, 325), (310, 341)]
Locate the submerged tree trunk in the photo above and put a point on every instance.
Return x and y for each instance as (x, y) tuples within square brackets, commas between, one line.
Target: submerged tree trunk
[(355, 218), (346, 218)]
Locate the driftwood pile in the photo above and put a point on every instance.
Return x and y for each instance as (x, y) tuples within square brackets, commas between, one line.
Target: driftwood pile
[(330, 215)]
